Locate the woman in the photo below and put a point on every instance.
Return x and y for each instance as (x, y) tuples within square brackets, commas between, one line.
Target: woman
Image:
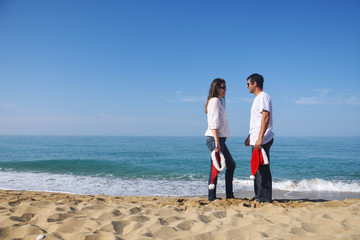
[(217, 132)]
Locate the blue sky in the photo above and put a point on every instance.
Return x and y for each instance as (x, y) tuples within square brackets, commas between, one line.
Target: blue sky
[(145, 67)]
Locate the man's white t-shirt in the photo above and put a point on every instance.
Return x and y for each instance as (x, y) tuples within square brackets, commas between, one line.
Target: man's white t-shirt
[(216, 116), (261, 102)]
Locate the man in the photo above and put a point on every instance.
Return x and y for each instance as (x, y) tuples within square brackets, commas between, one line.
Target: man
[(261, 135)]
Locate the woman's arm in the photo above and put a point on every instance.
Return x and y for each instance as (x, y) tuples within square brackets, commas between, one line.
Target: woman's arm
[(217, 140)]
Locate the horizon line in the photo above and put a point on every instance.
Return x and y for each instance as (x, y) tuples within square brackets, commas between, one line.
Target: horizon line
[(100, 135)]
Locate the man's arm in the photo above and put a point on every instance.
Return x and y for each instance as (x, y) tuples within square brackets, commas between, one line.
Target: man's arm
[(264, 124)]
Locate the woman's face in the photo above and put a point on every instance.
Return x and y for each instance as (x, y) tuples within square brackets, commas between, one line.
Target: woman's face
[(222, 90)]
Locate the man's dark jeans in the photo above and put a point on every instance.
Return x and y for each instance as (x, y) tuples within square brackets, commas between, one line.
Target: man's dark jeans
[(263, 179)]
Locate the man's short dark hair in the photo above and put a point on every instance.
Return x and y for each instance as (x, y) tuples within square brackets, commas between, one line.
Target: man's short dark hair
[(256, 78)]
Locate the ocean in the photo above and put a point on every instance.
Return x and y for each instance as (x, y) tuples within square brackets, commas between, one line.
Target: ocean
[(314, 167)]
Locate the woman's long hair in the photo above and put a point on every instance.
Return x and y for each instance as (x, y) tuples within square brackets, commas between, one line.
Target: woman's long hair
[(214, 90)]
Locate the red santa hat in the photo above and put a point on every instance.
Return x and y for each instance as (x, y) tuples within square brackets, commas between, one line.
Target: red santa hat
[(257, 158), (218, 165)]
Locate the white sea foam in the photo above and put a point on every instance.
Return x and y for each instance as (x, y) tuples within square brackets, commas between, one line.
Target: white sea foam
[(153, 187), (316, 184), (306, 185), (99, 185)]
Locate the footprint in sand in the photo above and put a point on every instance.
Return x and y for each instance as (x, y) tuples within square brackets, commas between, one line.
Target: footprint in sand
[(119, 226), (108, 215), (60, 209), (163, 221), (298, 231), (40, 203), (204, 219), (140, 219), (186, 225), (24, 218), (14, 203), (116, 213), (135, 210), (312, 228), (220, 214), (94, 207), (58, 217), (172, 219)]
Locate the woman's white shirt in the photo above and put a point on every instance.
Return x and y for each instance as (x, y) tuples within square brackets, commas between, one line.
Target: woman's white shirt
[(217, 119)]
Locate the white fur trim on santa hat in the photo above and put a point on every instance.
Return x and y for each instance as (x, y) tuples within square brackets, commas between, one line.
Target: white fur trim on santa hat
[(215, 162), (266, 160), (211, 186)]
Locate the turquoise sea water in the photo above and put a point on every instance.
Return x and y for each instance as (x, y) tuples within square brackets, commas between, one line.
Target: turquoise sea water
[(170, 166)]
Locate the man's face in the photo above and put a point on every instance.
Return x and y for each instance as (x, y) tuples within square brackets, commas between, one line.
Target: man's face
[(250, 86)]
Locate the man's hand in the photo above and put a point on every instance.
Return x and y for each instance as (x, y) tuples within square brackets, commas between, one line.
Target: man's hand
[(247, 141), (258, 143)]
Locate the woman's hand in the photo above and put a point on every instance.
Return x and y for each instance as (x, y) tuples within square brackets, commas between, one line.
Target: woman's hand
[(217, 140), (217, 146)]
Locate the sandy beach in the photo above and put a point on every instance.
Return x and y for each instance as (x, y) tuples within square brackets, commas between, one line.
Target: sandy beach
[(26, 215)]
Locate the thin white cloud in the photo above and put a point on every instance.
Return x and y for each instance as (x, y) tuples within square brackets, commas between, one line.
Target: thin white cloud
[(242, 99), (193, 99), (308, 101), (355, 100), (330, 97), (322, 91)]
